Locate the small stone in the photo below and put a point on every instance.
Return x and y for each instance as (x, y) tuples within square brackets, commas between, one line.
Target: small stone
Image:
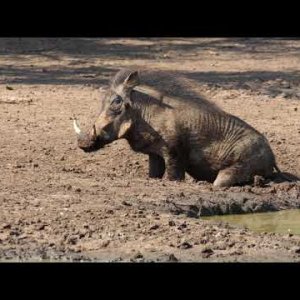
[(14, 232), (104, 244), (172, 223), (237, 252), (285, 84), (185, 245), (138, 255), (41, 227), (154, 227), (182, 226), (207, 250), (72, 240), (78, 190), (296, 250), (231, 244), (126, 203), (172, 258), (203, 241), (6, 226)]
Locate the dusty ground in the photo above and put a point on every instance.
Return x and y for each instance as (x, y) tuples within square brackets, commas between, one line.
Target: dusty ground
[(58, 203)]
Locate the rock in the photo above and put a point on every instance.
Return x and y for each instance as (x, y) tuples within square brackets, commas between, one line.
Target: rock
[(172, 258), (69, 187), (154, 227), (126, 203), (296, 250), (172, 223), (105, 243), (41, 227), (138, 255), (6, 226), (182, 226), (237, 252), (72, 239), (207, 252), (231, 244), (185, 245), (285, 84)]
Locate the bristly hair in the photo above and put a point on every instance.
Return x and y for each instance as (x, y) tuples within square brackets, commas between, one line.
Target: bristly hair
[(120, 77), (169, 83)]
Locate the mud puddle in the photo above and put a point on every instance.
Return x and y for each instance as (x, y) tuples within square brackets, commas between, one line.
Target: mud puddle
[(287, 221)]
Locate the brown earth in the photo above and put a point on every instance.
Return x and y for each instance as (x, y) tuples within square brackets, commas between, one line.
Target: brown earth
[(58, 203)]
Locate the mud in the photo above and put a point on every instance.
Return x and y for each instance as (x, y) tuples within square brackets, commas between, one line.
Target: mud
[(60, 204)]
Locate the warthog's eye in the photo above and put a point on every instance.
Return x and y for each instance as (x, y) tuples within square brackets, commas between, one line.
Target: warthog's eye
[(115, 105), (117, 101)]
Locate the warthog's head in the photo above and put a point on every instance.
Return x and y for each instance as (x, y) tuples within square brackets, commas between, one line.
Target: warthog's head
[(115, 118)]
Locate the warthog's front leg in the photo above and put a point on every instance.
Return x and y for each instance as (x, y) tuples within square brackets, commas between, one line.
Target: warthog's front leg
[(174, 164), (156, 166)]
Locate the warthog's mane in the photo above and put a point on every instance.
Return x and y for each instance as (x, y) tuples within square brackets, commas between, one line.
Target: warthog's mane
[(159, 84)]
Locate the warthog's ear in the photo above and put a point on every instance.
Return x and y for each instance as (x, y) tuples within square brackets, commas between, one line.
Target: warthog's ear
[(125, 126), (131, 80)]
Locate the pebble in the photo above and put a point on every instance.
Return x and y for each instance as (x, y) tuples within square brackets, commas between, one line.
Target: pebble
[(72, 240), (207, 250), (172, 223), (172, 258), (185, 245), (154, 227), (41, 227), (104, 244), (182, 226), (126, 203), (6, 226), (296, 250)]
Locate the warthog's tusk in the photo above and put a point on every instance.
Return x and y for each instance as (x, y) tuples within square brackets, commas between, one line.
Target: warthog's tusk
[(76, 127)]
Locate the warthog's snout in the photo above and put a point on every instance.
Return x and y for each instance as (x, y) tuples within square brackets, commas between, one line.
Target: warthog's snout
[(88, 142)]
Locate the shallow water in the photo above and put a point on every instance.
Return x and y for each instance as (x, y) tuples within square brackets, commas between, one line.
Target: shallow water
[(286, 221)]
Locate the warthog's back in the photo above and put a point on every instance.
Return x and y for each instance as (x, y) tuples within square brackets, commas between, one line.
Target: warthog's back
[(176, 86)]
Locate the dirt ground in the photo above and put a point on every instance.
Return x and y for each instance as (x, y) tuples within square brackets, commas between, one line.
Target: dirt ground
[(58, 203)]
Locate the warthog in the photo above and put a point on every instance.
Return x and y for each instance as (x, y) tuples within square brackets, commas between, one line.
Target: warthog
[(160, 115)]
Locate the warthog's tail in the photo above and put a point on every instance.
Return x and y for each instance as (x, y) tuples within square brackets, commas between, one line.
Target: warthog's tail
[(283, 176)]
